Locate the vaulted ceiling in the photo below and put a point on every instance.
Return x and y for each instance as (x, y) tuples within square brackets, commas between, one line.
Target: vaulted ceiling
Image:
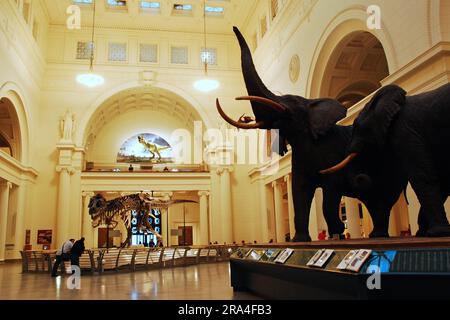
[(132, 17)]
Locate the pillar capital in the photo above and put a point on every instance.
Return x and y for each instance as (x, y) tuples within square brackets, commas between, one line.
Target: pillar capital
[(276, 184), (68, 169), (203, 193), (87, 194), (221, 170), (7, 185), (287, 178)]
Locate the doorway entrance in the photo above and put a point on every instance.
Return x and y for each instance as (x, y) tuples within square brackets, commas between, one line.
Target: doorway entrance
[(102, 236), (185, 236)]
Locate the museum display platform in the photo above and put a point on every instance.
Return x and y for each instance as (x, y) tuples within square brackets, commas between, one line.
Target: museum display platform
[(360, 269)]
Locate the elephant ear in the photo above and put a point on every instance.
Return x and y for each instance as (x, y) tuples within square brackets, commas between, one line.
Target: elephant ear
[(323, 115), (378, 115)]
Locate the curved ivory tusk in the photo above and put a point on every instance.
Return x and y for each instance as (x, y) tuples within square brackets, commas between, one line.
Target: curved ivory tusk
[(270, 103), (238, 124), (341, 165)]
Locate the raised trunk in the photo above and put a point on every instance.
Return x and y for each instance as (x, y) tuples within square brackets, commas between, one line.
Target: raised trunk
[(253, 82)]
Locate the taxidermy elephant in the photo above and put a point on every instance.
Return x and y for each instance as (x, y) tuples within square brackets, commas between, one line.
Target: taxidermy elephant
[(416, 131), (317, 143)]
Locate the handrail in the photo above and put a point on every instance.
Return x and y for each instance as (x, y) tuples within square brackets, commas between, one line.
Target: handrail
[(43, 260)]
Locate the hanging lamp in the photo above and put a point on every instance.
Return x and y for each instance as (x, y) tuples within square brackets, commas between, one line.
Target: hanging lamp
[(91, 79), (206, 84)]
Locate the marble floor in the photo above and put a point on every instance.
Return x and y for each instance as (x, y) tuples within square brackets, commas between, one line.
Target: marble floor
[(199, 282)]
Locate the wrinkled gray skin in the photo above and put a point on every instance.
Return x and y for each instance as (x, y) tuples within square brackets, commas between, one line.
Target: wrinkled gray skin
[(415, 130), (318, 143)]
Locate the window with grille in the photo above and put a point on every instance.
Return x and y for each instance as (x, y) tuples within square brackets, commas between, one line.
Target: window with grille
[(148, 53), (117, 52), (84, 50), (274, 8), (263, 26), (179, 55), (209, 55)]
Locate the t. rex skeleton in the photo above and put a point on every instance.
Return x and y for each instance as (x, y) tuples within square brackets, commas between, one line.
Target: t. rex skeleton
[(108, 212), (152, 148)]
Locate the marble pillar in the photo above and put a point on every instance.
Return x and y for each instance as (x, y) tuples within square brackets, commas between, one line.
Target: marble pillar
[(288, 181), (278, 204), (63, 214), (204, 232), (4, 206), (87, 230)]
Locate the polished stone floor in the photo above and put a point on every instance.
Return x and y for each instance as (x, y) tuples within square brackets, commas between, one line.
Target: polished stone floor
[(200, 282)]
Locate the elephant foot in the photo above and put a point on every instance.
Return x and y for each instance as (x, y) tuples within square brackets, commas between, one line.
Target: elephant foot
[(438, 231), (301, 238), (379, 234)]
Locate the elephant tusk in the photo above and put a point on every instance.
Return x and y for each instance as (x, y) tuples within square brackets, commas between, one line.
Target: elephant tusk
[(238, 124), (341, 165), (270, 103)]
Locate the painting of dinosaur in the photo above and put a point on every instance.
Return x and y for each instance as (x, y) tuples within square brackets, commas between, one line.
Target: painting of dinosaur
[(154, 149), (108, 213)]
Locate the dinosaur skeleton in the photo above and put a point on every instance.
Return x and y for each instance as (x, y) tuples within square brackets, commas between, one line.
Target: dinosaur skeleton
[(152, 148), (108, 212)]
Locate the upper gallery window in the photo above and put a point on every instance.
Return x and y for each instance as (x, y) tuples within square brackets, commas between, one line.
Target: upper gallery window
[(117, 3), (84, 50), (182, 8), (214, 10), (117, 52), (82, 1), (148, 53), (209, 56), (179, 55), (150, 5)]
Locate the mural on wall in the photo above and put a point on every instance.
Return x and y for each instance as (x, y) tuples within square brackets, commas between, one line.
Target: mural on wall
[(145, 148)]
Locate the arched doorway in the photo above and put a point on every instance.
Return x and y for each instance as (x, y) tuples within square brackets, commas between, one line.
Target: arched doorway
[(10, 133), (355, 68)]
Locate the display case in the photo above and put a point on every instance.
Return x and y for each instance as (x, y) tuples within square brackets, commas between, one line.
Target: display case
[(330, 273)]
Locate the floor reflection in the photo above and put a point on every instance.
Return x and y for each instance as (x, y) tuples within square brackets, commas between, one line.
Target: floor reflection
[(199, 282)]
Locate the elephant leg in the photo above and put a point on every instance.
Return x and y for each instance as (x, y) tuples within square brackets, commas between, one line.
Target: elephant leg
[(423, 226), (380, 218), (331, 204), (425, 182), (303, 196)]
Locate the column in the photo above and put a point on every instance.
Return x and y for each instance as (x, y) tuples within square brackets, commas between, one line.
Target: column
[(87, 230), (278, 204), (4, 205), (165, 225), (226, 211), (63, 215), (287, 179), (19, 238), (203, 217), (353, 220)]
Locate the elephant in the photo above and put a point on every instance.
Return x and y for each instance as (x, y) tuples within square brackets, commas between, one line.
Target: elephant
[(317, 142), (416, 131)]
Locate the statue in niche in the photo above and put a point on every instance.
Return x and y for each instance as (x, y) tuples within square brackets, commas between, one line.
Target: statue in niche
[(67, 126)]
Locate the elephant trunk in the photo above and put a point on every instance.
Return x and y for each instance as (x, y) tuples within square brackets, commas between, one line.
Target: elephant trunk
[(253, 82)]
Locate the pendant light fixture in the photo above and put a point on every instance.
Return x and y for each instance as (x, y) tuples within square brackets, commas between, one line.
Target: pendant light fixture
[(91, 79), (206, 84)]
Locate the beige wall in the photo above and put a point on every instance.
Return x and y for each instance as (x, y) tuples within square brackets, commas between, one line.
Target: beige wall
[(42, 76)]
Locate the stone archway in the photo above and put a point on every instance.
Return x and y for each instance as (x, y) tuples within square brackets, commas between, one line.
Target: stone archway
[(355, 68)]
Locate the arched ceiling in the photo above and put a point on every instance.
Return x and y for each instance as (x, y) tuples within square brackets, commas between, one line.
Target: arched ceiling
[(146, 98), (132, 17), (356, 67)]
